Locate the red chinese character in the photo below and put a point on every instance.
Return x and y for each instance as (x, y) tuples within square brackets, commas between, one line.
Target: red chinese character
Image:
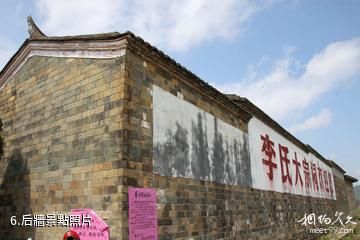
[(297, 165), (268, 149), (330, 183), (314, 177), (326, 181), (306, 173), (320, 175), (284, 159)]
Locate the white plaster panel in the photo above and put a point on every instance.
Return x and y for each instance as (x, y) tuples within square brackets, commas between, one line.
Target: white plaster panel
[(219, 149), (260, 178)]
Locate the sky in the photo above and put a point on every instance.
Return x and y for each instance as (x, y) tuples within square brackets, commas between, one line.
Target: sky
[(297, 60)]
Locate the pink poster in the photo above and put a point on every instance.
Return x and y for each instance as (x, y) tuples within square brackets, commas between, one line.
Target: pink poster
[(142, 214), (92, 227)]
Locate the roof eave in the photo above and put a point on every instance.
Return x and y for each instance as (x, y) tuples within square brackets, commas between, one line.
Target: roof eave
[(97, 45), (335, 165), (350, 178)]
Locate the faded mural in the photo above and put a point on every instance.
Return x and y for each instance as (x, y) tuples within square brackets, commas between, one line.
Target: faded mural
[(189, 142)]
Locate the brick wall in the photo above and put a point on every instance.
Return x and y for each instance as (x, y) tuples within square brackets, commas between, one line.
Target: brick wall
[(341, 203), (63, 135), (79, 132), (351, 197), (191, 209)]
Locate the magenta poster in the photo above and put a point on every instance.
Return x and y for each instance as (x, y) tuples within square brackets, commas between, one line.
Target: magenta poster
[(142, 214), (92, 227)]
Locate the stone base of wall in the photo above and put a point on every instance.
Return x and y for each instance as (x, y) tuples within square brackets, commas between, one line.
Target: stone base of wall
[(191, 209)]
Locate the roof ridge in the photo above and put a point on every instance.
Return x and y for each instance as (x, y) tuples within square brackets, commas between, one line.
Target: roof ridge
[(34, 30)]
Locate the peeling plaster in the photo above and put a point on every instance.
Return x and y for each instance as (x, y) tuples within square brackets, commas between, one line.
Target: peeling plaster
[(189, 142)]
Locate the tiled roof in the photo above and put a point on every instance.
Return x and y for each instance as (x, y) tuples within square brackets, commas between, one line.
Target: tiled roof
[(242, 106), (350, 178), (133, 42), (257, 112)]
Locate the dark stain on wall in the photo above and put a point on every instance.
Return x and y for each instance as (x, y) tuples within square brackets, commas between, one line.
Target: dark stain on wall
[(245, 167), (224, 160), (229, 168), (218, 157), (237, 154), (172, 157), (15, 198), (181, 160), (163, 154), (200, 164)]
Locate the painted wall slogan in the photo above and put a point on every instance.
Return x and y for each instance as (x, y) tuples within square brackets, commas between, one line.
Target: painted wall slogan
[(281, 166), (189, 142), (142, 214)]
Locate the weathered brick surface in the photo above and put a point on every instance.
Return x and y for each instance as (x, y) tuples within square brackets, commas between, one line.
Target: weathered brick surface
[(342, 203), (78, 133), (63, 135), (191, 209), (351, 198)]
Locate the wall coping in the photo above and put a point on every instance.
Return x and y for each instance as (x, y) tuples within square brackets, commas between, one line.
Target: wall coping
[(105, 45), (257, 112)]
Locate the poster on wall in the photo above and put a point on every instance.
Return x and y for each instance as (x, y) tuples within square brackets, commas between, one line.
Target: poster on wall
[(95, 228), (142, 214)]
